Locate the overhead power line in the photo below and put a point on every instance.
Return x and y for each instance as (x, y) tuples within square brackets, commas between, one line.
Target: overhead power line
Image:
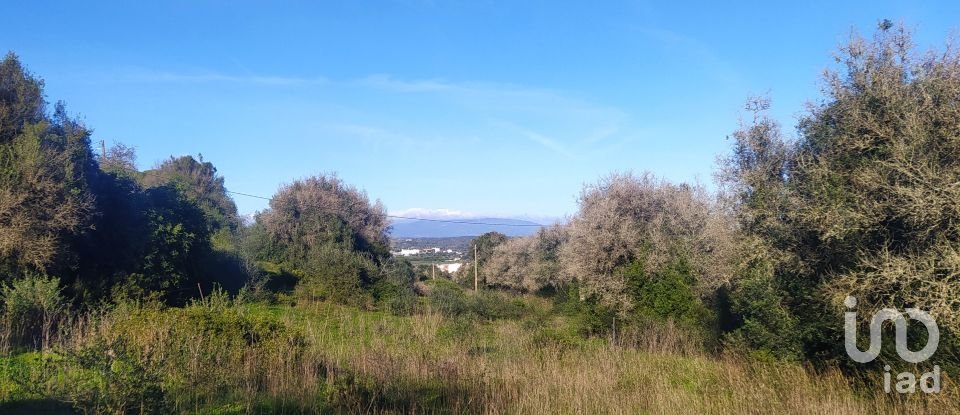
[(463, 222)]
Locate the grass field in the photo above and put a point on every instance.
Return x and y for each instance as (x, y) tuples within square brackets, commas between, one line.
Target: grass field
[(224, 358)]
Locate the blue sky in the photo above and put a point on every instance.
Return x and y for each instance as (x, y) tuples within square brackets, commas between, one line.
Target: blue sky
[(469, 108)]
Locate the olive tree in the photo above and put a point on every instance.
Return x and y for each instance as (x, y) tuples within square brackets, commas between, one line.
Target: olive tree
[(527, 263), (863, 202), (627, 219), (877, 177), (322, 210), (328, 231)]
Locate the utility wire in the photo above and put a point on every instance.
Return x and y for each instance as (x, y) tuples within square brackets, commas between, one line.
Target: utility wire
[(463, 222)]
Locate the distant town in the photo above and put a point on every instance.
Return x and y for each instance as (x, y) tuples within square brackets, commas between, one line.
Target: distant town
[(448, 254)]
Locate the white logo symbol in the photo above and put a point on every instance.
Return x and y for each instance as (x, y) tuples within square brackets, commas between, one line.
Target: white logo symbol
[(906, 381), (891, 314)]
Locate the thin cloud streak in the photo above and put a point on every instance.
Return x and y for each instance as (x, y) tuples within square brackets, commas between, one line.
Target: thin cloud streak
[(484, 95), (500, 96), (214, 77), (428, 213), (697, 50), (514, 108), (542, 140)]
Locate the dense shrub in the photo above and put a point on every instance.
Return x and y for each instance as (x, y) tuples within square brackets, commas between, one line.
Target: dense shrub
[(199, 182), (110, 378), (337, 275), (329, 234), (592, 317), (764, 326), (320, 211), (493, 305), (447, 297), (32, 307), (394, 289), (667, 294)]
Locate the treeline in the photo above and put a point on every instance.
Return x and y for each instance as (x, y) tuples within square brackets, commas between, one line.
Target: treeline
[(87, 226), (106, 230), (864, 201)]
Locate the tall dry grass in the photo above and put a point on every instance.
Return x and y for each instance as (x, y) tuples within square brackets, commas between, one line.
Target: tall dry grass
[(503, 369), (325, 358)]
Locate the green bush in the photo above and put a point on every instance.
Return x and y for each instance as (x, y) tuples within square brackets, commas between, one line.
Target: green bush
[(113, 379), (339, 275), (493, 305), (590, 316), (394, 289), (447, 297), (103, 377), (395, 297), (31, 308), (765, 326), (666, 294)]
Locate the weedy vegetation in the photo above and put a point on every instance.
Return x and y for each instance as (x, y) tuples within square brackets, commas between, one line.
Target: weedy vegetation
[(136, 292)]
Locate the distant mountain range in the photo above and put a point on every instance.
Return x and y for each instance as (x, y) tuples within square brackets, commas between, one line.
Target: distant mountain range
[(407, 228)]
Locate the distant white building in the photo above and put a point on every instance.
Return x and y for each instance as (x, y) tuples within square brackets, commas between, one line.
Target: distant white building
[(409, 252), (451, 268)]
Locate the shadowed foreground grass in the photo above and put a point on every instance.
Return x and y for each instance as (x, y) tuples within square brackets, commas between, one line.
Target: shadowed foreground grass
[(223, 358)]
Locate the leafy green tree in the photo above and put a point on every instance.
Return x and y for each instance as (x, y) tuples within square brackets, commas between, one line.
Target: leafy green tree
[(198, 181), (21, 98), (765, 325), (323, 210), (329, 233), (483, 246), (175, 243), (98, 229), (394, 288), (45, 163)]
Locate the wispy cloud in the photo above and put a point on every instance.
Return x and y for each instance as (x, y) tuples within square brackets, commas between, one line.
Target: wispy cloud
[(393, 84), (216, 77), (390, 83), (484, 95), (548, 143), (492, 95), (698, 50), (428, 213), (378, 137), (542, 140), (601, 134), (556, 121)]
